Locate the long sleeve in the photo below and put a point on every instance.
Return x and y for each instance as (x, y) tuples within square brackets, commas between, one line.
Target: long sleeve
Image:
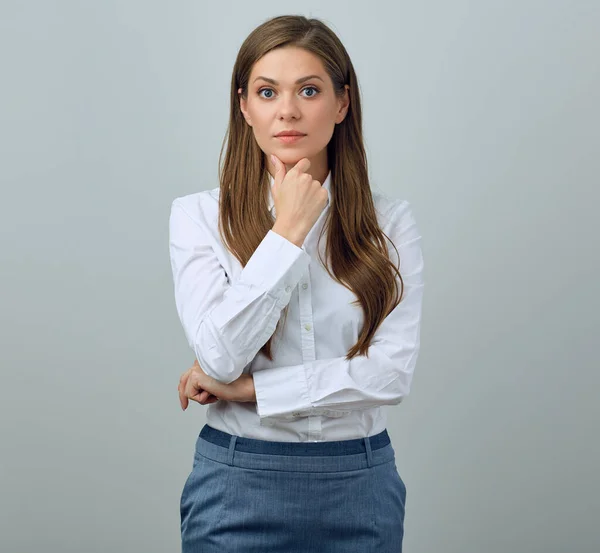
[(226, 323), (336, 386)]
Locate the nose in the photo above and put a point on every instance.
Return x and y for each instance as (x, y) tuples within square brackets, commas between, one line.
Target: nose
[(288, 107)]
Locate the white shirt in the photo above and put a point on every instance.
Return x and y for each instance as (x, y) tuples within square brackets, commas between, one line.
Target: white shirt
[(309, 392)]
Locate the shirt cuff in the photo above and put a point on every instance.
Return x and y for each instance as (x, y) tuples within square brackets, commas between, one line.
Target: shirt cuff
[(276, 266), (282, 392)]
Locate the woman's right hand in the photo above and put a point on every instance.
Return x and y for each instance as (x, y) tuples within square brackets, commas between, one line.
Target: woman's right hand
[(298, 199)]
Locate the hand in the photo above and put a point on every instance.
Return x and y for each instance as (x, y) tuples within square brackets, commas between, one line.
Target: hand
[(196, 385), (202, 396), (298, 199)]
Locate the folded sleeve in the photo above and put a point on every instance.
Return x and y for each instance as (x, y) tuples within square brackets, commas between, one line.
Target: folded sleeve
[(226, 323), (336, 386)]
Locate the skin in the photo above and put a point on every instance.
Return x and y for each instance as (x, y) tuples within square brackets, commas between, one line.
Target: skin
[(196, 385), (271, 108), (310, 107)]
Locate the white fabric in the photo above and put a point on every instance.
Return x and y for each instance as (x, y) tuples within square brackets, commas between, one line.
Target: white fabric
[(309, 392)]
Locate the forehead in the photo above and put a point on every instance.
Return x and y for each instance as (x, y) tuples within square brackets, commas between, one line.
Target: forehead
[(286, 64)]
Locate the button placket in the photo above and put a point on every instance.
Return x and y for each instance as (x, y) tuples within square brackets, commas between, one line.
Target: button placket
[(314, 430), (306, 321)]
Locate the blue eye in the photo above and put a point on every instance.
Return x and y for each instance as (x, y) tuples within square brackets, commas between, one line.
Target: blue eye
[(317, 91)]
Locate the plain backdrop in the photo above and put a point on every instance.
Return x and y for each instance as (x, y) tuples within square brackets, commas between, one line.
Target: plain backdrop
[(483, 115)]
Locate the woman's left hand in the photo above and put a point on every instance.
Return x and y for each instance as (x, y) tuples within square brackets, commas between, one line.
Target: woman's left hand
[(196, 385)]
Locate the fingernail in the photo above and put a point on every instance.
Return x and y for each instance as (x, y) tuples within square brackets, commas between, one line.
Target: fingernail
[(272, 159)]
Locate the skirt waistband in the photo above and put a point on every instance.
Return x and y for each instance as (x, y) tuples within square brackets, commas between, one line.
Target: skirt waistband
[(301, 456)]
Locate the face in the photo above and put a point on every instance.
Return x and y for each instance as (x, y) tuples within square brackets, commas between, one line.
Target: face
[(310, 107)]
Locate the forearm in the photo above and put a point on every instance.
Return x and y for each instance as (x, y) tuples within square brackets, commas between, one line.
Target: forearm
[(251, 390), (228, 318)]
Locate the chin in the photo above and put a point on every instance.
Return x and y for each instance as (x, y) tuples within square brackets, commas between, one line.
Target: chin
[(290, 158)]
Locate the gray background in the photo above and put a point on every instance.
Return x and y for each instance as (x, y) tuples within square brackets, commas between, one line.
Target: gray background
[(484, 115)]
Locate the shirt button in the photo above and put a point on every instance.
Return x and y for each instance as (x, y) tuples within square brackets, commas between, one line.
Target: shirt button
[(307, 326), (288, 288), (304, 286)]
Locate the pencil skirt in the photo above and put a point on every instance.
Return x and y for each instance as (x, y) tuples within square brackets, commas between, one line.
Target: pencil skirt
[(257, 496)]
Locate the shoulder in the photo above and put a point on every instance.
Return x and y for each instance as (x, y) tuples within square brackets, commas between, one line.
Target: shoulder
[(399, 224), (200, 207), (397, 221), (391, 211)]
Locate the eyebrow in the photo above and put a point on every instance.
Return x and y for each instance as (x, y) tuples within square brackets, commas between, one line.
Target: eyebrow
[(298, 81)]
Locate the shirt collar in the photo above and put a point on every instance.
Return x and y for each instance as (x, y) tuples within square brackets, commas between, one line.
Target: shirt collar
[(326, 185)]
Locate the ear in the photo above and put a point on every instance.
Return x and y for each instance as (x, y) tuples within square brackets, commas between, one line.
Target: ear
[(243, 107), (343, 104)]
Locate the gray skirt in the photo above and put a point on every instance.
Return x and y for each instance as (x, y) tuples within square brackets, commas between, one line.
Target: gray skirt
[(257, 496)]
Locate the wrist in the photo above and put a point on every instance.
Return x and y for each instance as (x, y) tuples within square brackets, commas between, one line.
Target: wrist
[(289, 233), (250, 392)]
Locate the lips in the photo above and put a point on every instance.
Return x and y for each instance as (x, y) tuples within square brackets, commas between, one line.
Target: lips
[(290, 133)]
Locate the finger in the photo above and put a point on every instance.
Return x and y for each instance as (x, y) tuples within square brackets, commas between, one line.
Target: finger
[(280, 172), (183, 400), (303, 165), (196, 396), (192, 388), (203, 398), (180, 390)]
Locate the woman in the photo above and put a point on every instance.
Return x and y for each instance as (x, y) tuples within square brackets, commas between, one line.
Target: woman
[(295, 455)]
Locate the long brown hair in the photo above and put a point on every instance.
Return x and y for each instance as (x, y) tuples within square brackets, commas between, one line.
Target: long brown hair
[(355, 248)]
